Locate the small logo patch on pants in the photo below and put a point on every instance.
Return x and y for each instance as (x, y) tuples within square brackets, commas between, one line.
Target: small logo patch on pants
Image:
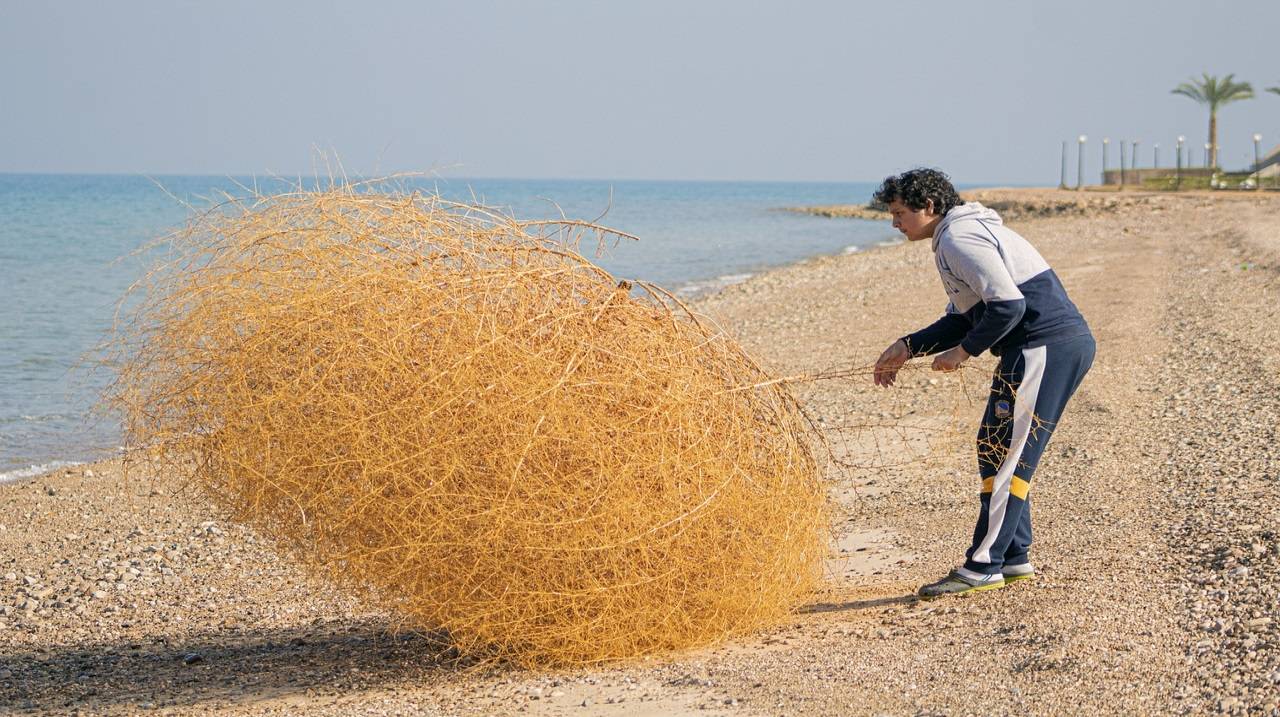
[(1003, 409)]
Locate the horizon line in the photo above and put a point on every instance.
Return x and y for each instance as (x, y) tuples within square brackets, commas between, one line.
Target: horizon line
[(429, 175)]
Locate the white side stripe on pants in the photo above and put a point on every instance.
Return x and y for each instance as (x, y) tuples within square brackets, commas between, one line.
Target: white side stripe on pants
[(1024, 409)]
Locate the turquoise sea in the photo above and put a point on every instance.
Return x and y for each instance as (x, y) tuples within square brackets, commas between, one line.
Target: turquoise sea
[(65, 260)]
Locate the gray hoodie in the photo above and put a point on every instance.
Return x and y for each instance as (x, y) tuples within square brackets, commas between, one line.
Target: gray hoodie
[(1002, 292)]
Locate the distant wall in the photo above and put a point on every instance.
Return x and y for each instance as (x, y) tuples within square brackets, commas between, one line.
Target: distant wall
[(1137, 176)]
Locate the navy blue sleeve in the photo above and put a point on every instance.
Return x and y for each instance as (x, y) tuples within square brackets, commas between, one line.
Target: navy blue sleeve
[(939, 336), (998, 318)]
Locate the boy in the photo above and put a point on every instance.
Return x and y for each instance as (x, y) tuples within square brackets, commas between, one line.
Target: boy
[(1003, 298)]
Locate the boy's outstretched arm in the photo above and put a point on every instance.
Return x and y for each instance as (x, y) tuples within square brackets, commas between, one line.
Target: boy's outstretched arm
[(945, 333)]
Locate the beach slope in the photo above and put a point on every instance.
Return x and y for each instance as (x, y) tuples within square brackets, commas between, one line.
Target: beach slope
[(1156, 511)]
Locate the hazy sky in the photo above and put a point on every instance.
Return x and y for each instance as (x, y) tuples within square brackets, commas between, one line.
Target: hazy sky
[(686, 89)]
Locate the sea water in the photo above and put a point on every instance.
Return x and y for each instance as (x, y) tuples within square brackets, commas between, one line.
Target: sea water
[(68, 248)]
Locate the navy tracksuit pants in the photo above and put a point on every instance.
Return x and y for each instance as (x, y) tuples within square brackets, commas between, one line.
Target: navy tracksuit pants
[(1029, 391)]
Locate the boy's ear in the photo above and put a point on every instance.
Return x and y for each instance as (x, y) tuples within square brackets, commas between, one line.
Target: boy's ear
[(928, 206)]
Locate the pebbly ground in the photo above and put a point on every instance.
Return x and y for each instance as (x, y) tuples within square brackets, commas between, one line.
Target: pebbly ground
[(1156, 510)]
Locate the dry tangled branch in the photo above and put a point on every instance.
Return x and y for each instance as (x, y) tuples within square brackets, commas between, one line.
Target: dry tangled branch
[(459, 415)]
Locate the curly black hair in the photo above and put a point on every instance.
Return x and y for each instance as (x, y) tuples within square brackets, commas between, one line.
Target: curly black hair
[(915, 187)]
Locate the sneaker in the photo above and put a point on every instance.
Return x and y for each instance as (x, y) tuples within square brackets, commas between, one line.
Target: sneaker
[(1014, 573), (957, 584)]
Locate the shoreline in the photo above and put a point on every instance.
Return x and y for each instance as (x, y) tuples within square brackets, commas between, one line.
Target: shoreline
[(692, 290), (1012, 203), (75, 251)]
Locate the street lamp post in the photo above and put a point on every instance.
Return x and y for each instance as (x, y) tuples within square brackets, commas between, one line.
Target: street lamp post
[(1133, 163), (1062, 182), (1155, 156), (1106, 141), (1122, 177), (1177, 176), (1080, 161), (1257, 161)]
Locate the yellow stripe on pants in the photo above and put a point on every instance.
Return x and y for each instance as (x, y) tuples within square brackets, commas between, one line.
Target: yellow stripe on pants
[(1019, 488)]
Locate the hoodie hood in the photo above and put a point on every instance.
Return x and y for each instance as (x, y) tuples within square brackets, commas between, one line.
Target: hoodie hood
[(968, 210)]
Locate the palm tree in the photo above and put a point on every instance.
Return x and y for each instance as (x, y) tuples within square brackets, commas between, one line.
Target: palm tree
[(1215, 92), (1274, 89)]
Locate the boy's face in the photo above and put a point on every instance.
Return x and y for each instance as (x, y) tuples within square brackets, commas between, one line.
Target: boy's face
[(917, 224)]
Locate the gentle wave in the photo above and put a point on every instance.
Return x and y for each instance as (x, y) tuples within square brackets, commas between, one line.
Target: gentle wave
[(694, 289), (43, 418), (33, 471)]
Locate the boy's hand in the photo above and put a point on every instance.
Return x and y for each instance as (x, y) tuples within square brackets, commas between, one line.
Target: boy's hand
[(892, 359), (950, 360)]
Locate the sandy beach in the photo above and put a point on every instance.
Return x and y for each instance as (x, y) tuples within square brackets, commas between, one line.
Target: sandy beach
[(1156, 511)]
